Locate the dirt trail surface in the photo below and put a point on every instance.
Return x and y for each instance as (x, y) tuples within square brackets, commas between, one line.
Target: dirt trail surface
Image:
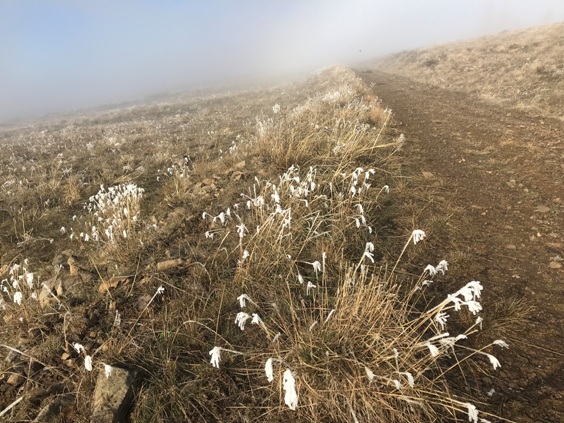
[(505, 170)]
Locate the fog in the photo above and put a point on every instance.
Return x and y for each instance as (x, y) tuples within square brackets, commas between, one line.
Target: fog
[(58, 56)]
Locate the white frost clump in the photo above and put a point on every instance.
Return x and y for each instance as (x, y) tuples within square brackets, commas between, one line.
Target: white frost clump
[(289, 384)]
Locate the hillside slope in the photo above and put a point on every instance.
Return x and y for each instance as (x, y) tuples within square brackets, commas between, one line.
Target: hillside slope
[(494, 214), (521, 68)]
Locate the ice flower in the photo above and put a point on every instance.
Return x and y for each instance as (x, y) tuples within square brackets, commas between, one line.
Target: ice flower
[(316, 266), (243, 300), (309, 287), (269, 370), (245, 256), (409, 377), (78, 347), (473, 306), (215, 356), (501, 343), (276, 108), (431, 269), (241, 319), (471, 291), (256, 319), (108, 370), (29, 279), (160, 290), (472, 413), (432, 349), (368, 251), (456, 301), (442, 267), (386, 189), (289, 385), (494, 361), (88, 363), (241, 230), (369, 374), (441, 319), (220, 217), (18, 298), (63, 230), (417, 235)]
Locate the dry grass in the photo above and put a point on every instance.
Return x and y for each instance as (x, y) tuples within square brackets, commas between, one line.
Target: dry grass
[(286, 200), (521, 68)]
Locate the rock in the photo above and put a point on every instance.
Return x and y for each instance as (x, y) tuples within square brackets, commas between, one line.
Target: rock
[(142, 302), (240, 165), (46, 294), (208, 181), (511, 246), (237, 175), (113, 282), (427, 175), (555, 247), (113, 395), (169, 264), (542, 209), (15, 379), (60, 409), (73, 266), (555, 265)]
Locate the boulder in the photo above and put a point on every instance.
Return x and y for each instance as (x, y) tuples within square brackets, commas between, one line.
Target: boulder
[(113, 395)]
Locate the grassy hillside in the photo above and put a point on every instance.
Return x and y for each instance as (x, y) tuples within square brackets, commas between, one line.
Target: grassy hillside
[(521, 68), (244, 254)]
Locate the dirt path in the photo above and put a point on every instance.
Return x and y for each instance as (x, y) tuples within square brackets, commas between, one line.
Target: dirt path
[(505, 170)]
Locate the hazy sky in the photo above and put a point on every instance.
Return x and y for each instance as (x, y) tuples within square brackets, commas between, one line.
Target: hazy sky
[(59, 55)]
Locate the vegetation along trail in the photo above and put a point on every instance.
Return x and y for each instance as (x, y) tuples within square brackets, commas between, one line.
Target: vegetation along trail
[(498, 173)]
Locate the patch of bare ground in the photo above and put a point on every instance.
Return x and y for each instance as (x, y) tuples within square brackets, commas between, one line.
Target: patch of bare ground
[(522, 68), (488, 182)]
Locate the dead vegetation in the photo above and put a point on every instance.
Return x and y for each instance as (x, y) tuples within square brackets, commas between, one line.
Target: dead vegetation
[(522, 68), (146, 239)]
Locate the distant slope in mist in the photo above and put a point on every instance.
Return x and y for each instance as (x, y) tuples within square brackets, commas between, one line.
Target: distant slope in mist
[(523, 68)]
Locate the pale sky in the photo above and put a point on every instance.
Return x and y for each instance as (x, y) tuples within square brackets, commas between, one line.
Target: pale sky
[(60, 55)]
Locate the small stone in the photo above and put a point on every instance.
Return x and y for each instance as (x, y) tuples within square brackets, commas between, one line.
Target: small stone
[(511, 247), (142, 302), (427, 175), (169, 264), (555, 265), (237, 175), (542, 209), (15, 379), (208, 181), (240, 165), (113, 395), (34, 332)]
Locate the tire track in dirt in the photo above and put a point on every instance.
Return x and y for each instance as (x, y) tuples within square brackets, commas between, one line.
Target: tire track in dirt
[(505, 169)]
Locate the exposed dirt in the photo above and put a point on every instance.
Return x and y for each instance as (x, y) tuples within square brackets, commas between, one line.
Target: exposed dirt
[(501, 170)]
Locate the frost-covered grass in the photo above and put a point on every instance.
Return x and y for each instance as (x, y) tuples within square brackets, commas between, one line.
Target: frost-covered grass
[(284, 295)]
